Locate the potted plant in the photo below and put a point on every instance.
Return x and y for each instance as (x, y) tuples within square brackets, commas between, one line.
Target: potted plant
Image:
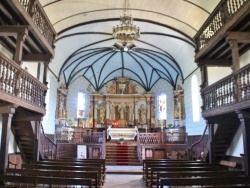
[(121, 139)]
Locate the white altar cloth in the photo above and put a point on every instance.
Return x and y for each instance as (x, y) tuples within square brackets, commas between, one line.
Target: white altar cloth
[(126, 133)]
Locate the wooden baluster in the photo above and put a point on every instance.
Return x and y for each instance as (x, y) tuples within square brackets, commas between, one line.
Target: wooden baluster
[(1, 74)]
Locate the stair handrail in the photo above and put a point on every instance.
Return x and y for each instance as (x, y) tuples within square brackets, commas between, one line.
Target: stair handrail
[(191, 148), (50, 141)]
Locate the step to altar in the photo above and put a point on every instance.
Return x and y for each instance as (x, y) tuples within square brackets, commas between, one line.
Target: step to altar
[(121, 154)]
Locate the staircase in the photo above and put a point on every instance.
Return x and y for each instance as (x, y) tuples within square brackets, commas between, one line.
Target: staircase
[(25, 138), (223, 137), (122, 154)]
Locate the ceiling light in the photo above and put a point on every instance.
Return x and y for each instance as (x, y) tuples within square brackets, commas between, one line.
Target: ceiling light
[(126, 33)]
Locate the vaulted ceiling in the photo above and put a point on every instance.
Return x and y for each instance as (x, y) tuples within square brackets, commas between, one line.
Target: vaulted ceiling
[(165, 49)]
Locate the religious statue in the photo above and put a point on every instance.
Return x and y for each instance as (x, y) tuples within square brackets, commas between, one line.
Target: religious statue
[(142, 114), (90, 121), (176, 109), (102, 112), (122, 113)]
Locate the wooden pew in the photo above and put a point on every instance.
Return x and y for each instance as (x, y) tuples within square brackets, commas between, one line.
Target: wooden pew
[(88, 162), (54, 173), (78, 161), (86, 168), (31, 181), (181, 174), (206, 181), (178, 167), (159, 161)]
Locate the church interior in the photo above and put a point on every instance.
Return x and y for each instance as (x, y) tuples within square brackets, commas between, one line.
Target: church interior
[(88, 88)]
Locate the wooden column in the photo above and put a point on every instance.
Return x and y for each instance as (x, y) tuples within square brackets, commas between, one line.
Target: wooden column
[(244, 118), (19, 46), (37, 140), (211, 144), (235, 54), (7, 113), (45, 72)]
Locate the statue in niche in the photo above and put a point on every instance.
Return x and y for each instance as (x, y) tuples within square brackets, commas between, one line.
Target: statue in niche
[(131, 114), (176, 109), (102, 113), (90, 121), (142, 114), (122, 112)]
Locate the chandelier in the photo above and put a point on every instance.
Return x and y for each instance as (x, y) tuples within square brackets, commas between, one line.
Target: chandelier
[(126, 32)]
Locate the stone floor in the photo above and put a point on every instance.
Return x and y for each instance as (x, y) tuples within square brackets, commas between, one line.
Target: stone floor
[(116, 180), (123, 181)]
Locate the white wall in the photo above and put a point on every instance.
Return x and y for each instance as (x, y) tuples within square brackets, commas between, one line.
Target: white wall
[(192, 128), (51, 100), (217, 73)]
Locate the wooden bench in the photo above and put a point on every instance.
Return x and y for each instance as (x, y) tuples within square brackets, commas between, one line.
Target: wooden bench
[(149, 166), (53, 173), (160, 161), (85, 168), (102, 161), (181, 174), (205, 181), (31, 181), (75, 163)]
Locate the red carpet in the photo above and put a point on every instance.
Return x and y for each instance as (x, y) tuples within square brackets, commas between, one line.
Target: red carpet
[(122, 154)]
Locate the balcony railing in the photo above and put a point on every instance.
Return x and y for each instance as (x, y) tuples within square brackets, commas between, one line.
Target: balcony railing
[(218, 18), (18, 83), (232, 89), (35, 10)]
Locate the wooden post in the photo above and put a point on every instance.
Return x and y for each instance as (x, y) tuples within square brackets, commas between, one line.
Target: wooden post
[(244, 118), (211, 144), (19, 46), (7, 113)]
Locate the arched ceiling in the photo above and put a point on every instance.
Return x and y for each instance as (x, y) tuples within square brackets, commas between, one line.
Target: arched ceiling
[(165, 49)]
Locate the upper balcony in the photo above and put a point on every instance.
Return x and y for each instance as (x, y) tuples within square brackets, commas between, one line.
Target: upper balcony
[(229, 20), (17, 15), (27, 36)]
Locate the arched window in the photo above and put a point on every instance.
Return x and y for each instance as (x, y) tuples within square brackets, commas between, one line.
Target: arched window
[(81, 103), (195, 98), (162, 103)]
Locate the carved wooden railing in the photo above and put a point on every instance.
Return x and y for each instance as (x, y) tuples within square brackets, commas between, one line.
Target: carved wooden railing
[(229, 90), (39, 17), (191, 152), (218, 18), (16, 82), (48, 148)]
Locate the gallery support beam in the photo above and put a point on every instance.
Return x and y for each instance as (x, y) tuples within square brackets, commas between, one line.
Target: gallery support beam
[(7, 114)]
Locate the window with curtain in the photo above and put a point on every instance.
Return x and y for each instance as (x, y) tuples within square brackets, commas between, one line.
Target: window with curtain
[(195, 98), (81, 105)]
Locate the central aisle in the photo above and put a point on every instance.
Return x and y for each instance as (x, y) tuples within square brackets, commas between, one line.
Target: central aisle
[(124, 177), (123, 181)]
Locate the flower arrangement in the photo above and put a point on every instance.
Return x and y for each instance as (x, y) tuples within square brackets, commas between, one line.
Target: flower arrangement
[(121, 139)]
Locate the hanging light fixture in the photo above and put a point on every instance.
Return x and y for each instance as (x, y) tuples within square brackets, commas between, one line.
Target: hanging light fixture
[(126, 33)]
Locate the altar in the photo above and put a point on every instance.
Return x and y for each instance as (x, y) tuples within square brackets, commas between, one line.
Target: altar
[(126, 133)]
